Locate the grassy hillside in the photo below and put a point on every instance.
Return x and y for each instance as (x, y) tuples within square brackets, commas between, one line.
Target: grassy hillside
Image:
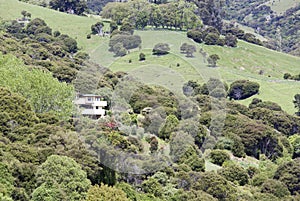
[(75, 26), (243, 62), (280, 6)]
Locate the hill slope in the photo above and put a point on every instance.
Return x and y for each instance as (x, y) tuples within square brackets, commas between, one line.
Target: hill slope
[(244, 62)]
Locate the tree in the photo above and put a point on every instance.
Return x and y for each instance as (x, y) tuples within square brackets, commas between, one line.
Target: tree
[(113, 26), (161, 49), (212, 60), (60, 178), (219, 156), (188, 49), (196, 35), (211, 39), (142, 57), (242, 89), (105, 193), (231, 40), (169, 127), (97, 28), (44, 93), (289, 174), (297, 103), (235, 173), (127, 27), (275, 187), (71, 6), (6, 181)]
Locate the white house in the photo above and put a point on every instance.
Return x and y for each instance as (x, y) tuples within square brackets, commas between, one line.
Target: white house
[(91, 105)]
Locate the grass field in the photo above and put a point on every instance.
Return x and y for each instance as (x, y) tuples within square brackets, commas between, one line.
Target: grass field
[(243, 62), (280, 6), (76, 26)]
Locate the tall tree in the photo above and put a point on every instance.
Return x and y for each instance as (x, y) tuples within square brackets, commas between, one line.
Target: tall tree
[(297, 103), (60, 178), (70, 6)]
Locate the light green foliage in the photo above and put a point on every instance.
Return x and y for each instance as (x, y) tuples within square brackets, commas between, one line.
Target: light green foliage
[(44, 93), (169, 127), (105, 193), (6, 181), (289, 174), (60, 177), (235, 173), (216, 186), (152, 186), (15, 112), (295, 142), (275, 187)]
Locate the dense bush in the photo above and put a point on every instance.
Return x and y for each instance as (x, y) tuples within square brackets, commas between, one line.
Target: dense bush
[(242, 89), (161, 49), (235, 173), (219, 156)]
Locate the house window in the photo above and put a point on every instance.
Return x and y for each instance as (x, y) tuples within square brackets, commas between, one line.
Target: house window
[(97, 98), (89, 98), (97, 107)]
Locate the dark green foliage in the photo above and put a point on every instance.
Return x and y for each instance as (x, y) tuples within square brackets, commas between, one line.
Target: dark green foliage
[(142, 57), (235, 173), (153, 145), (188, 49), (72, 6), (296, 102), (264, 104), (15, 111), (120, 42), (212, 60), (152, 186), (231, 40), (168, 127), (211, 39), (295, 142), (113, 26), (35, 45), (289, 174), (6, 181), (252, 39), (127, 27), (154, 97), (275, 187), (161, 49), (63, 177), (196, 35), (242, 89), (34, 24), (219, 157), (216, 185), (97, 28)]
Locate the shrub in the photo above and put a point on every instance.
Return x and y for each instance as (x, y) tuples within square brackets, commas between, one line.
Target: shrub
[(219, 156), (195, 35), (211, 39), (235, 173), (142, 57), (275, 187), (242, 89), (161, 49)]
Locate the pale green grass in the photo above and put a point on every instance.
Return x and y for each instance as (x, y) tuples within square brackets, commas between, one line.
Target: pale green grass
[(280, 6), (76, 26)]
